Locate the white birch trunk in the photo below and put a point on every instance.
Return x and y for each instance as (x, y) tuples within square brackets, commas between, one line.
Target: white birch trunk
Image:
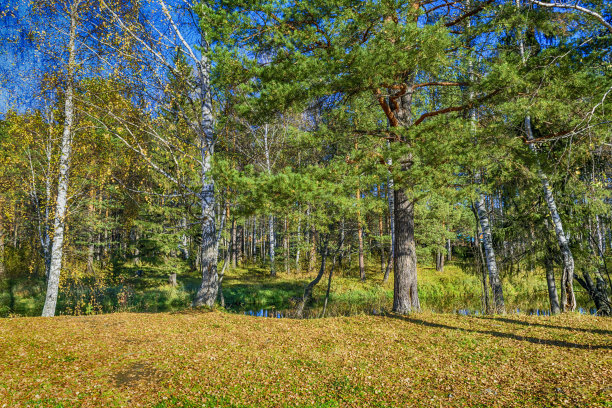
[(568, 298), (207, 293), (272, 244), (487, 239), (483, 218), (57, 249), (271, 240)]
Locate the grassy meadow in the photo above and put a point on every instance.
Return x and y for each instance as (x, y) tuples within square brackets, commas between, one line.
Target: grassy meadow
[(217, 359)]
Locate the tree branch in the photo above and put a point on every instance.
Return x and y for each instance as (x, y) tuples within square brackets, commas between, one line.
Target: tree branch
[(584, 10)]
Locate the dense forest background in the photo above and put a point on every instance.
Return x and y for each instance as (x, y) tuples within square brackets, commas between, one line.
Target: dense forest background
[(315, 157)]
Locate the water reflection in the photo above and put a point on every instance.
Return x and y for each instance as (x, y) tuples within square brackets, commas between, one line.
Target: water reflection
[(278, 314)]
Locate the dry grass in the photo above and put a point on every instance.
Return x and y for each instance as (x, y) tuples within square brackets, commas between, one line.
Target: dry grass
[(198, 359)]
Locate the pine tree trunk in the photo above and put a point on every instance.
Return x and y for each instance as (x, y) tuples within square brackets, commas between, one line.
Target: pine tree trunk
[(498, 294), (405, 294), (439, 260), (57, 250)]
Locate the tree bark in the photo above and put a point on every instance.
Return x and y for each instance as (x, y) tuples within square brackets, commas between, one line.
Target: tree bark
[(487, 239), (597, 291), (207, 292), (405, 294), (568, 298), (360, 239), (297, 249), (286, 246), (57, 250), (479, 262), (550, 283), (391, 199), (234, 243), (439, 259), (381, 246), (2, 234), (272, 245), (308, 290)]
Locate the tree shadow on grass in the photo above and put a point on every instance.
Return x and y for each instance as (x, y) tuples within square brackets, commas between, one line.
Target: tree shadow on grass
[(534, 340), (552, 326)]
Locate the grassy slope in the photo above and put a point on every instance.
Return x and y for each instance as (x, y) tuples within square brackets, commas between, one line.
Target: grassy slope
[(221, 359)]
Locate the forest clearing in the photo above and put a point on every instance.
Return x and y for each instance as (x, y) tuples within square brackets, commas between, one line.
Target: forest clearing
[(215, 359), (322, 203)]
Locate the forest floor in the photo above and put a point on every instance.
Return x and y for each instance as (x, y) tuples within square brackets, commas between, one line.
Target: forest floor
[(219, 359)]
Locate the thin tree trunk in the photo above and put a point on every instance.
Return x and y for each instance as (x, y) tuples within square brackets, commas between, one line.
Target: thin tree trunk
[(57, 250), (254, 240), (568, 298), (481, 270), (498, 294), (241, 247), (184, 239), (329, 281), (550, 282), (308, 290), (2, 234), (234, 243), (597, 291), (286, 246), (91, 233), (483, 217), (360, 239), (342, 235), (297, 249), (272, 244), (439, 260), (381, 245), (391, 199), (312, 258)]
